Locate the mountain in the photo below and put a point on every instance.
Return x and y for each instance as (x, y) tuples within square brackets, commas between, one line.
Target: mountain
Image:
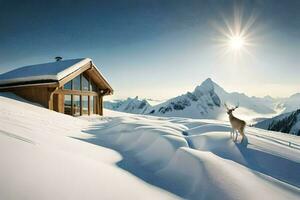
[(206, 102), (289, 104), (130, 105), (202, 102), (286, 123)]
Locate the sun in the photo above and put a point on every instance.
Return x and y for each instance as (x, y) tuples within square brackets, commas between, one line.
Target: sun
[(236, 42), (236, 35)]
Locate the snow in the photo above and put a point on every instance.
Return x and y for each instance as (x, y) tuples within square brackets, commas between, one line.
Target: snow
[(46, 71), (41, 159), (48, 155)]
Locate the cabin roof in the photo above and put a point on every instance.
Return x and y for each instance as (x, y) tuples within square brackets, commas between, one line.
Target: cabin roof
[(45, 72)]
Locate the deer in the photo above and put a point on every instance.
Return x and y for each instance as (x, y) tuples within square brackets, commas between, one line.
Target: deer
[(237, 124)]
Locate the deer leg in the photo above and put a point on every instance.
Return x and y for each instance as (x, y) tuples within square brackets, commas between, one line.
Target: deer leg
[(236, 135), (243, 135)]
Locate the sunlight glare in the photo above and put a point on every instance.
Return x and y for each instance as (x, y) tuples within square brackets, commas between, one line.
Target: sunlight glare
[(236, 35), (236, 42)]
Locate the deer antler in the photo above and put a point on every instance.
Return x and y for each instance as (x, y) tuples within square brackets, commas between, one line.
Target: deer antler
[(238, 104), (226, 106)]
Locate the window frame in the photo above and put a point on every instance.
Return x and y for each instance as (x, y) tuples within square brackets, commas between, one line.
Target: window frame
[(92, 94)]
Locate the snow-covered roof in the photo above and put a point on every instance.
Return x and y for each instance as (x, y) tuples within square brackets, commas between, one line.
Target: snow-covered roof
[(53, 71)]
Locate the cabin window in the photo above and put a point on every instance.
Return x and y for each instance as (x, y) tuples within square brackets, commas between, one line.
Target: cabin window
[(77, 83), (76, 105), (85, 105), (93, 87), (79, 96), (68, 104), (81, 83), (68, 85), (85, 83)]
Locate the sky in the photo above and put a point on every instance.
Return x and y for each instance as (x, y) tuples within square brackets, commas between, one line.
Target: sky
[(159, 49)]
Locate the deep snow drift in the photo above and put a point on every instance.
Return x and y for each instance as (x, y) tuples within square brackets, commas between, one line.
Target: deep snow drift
[(47, 155)]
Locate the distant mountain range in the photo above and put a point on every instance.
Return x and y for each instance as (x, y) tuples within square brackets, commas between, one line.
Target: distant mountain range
[(206, 101), (130, 105)]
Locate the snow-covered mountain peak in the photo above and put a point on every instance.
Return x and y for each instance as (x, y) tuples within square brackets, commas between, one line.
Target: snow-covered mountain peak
[(206, 85), (209, 86)]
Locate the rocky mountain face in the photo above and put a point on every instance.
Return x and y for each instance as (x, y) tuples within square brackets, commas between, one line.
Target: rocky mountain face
[(203, 101), (286, 123)]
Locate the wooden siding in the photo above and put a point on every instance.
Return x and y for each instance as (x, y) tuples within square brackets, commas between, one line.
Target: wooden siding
[(38, 95)]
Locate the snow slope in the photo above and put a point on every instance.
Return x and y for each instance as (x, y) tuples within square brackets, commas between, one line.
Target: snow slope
[(40, 159), (196, 159), (47, 155)]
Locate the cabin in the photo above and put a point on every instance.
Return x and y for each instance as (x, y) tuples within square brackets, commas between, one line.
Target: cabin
[(74, 87)]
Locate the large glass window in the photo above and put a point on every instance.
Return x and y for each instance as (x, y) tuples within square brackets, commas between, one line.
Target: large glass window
[(93, 87), (85, 83), (80, 103), (85, 105), (81, 83), (68, 85), (77, 83), (68, 104), (76, 105)]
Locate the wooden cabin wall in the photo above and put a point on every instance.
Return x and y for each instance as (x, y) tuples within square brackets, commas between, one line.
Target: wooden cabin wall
[(38, 95)]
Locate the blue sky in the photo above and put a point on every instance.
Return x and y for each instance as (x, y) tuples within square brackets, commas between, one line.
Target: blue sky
[(159, 49)]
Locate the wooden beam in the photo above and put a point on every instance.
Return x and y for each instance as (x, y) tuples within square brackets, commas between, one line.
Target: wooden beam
[(12, 87), (100, 105), (76, 92), (61, 103), (50, 97), (80, 102), (89, 105), (50, 100), (98, 79)]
